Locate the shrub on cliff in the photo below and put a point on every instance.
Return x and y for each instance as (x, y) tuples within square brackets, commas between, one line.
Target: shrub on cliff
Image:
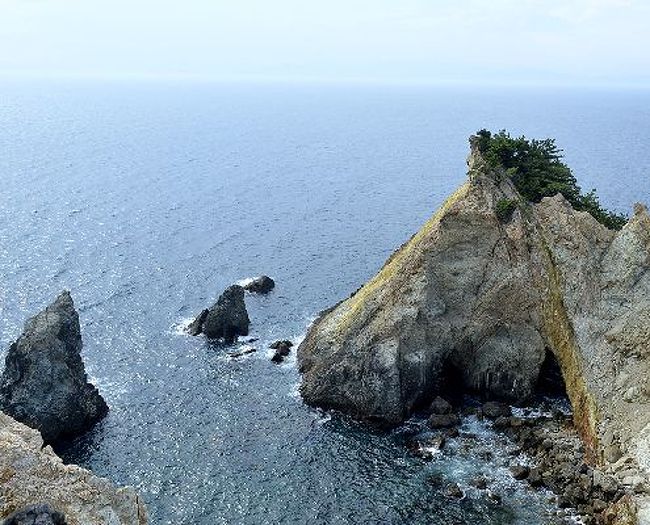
[(537, 171)]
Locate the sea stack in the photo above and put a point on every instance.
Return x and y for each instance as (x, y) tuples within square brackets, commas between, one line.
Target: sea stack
[(226, 319), (44, 383), (477, 300)]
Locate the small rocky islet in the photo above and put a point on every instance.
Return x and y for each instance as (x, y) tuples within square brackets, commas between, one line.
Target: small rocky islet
[(493, 298)]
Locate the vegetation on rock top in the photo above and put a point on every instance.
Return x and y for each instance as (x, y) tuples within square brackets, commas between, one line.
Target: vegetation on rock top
[(537, 170)]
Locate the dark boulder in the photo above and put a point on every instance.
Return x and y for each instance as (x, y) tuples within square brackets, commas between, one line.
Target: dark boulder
[(226, 319), (280, 343), (282, 350), (519, 472), (453, 490), (443, 420), (480, 482), (44, 383), (494, 409), (40, 514), (440, 406), (263, 284)]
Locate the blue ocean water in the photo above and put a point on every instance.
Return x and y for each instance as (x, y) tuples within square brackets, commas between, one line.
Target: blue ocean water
[(147, 200)]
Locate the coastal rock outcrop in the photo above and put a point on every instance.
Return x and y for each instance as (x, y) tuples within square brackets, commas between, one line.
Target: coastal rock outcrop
[(262, 285), (44, 383), (32, 474), (475, 303), (226, 319)]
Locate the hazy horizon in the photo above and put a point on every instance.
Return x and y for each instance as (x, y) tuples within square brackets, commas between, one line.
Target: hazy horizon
[(599, 43)]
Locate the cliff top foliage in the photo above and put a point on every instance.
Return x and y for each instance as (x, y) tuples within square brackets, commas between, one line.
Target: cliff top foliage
[(537, 171)]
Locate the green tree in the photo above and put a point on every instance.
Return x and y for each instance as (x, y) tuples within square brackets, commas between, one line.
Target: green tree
[(537, 171)]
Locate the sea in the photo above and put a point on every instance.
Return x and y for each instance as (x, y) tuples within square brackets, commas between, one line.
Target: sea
[(147, 199)]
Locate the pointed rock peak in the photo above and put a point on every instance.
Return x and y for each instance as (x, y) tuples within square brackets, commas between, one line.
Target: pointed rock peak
[(44, 383), (476, 163), (63, 301), (640, 209)]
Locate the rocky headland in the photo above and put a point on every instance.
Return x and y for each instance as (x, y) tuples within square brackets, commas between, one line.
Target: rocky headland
[(490, 291), (32, 474)]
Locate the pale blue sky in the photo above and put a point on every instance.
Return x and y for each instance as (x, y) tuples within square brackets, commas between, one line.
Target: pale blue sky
[(574, 42)]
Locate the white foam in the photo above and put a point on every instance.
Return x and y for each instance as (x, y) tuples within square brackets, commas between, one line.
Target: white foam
[(180, 327)]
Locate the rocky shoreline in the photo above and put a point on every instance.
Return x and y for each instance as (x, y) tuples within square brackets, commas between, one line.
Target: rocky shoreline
[(545, 453), (31, 473)]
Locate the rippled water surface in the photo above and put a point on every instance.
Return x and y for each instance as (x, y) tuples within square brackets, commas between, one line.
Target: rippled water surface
[(148, 200)]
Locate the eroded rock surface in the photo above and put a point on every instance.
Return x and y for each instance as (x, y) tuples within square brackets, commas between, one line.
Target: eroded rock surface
[(480, 300), (31, 474), (44, 383)]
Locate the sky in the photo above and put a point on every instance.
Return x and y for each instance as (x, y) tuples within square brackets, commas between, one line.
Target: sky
[(538, 42)]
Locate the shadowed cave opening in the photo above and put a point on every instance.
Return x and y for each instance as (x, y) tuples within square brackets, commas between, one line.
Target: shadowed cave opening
[(550, 383)]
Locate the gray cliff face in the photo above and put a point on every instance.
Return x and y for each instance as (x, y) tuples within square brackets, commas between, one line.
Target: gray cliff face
[(30, 473), (456, 297), (44, 383), (481, 301), (226, 319)]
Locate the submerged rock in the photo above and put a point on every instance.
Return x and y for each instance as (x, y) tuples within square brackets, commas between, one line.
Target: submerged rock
[(44, 383), (226, 319), (31, 472), (39, 514), (474, 304), (494, 410), (243, 352), (263, 285)]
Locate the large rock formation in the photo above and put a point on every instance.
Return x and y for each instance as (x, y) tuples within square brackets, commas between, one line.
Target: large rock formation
[(226, 319), (44, 383), (476, 300), (31, 473)]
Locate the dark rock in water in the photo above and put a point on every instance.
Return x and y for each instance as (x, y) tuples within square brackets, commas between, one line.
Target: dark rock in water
[(196, 326), (40, 514), (535, 478), (440, 406), (493, 410), (453, 490), (243, 352), (502, 422), (263, 284), (480, 482), (282, 350), (427, 445), (226, 319), (44, 384), (280, 343), (519, 472), (443, 420)]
